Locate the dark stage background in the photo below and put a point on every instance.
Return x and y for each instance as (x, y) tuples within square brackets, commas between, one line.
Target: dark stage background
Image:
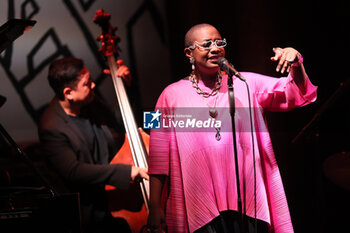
[(304, 139)]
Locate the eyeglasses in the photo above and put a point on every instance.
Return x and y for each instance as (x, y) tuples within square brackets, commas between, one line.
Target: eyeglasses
[(209, 44)]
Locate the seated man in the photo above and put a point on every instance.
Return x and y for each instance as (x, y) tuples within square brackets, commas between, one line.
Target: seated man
[(77, 132)]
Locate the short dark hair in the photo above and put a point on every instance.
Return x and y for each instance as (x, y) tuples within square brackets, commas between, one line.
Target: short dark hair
[(64, 73)]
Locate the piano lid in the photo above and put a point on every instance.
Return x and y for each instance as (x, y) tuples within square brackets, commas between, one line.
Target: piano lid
[(13, 29)]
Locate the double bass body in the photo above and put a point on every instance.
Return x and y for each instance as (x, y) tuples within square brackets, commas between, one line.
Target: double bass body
[(129, 204)]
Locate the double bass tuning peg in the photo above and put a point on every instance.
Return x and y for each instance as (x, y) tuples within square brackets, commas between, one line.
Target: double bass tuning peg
[(99, 38), (115, 38)]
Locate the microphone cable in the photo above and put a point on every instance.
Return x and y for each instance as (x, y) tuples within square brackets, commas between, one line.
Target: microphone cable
[(253, 148)]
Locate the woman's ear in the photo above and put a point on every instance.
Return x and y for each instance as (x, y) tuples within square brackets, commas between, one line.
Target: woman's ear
[(188, 52)]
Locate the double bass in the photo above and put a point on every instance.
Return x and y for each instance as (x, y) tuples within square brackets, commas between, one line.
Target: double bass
[(133, 204)]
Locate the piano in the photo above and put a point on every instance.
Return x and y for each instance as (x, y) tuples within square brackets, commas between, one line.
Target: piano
[(31, 195)]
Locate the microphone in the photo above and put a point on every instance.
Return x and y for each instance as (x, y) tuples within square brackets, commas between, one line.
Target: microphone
[(228, 67)]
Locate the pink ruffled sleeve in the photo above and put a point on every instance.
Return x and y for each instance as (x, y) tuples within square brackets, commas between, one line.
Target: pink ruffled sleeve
[(282, 94)]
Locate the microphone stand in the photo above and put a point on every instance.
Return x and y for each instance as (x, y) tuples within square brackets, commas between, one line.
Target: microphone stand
[(231, 97)]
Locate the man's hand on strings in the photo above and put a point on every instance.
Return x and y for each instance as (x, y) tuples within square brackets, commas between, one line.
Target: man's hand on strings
[(138, 173), (122, 71)]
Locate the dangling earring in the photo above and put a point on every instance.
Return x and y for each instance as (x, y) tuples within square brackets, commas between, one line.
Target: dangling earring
[(192, 63)]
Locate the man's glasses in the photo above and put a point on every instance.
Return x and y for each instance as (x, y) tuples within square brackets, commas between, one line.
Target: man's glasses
[(209, 44)]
